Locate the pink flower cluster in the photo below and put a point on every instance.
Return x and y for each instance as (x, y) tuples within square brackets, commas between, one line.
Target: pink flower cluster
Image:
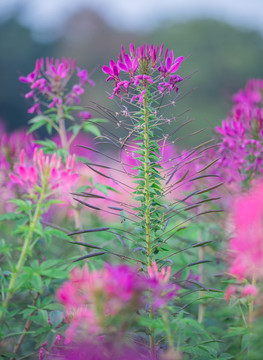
[(10, 148), (49, 81), (44, 171), (93, 298), (141, 68), (103, 349), (162, 291), (241, 135), (90, 298), (246, 246), (248, 290)]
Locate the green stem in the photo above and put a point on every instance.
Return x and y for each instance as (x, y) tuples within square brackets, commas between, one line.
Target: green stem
[(168, 330), (62, 129), (251, 302), (26, 328), (201, 307), (23, 255), (147, 183), (147, 214)]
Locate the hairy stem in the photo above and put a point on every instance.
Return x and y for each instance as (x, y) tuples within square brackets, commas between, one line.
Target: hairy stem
[(168, 330), (251, 302), (62, 129), (26, 328), (201, 307), (23, 255), (147, 214)]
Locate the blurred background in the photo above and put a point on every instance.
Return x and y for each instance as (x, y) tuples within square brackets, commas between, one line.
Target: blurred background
[(222, 39)]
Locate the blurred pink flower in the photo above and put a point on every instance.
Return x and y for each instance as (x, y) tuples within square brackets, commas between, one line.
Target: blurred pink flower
[(91, 298), (43, 170), (162, 276), (246, 246), (230, 291), (241, 135), (162, 291), (250, 290), (10, 148)]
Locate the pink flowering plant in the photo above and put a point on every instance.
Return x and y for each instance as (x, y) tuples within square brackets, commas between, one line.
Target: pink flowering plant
[(37, 180), (241, 133), (55, 90), (121, 256), (146, 83)]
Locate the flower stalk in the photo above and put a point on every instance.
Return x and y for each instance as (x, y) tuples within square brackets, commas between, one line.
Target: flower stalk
[(22, 258), (147, 184)]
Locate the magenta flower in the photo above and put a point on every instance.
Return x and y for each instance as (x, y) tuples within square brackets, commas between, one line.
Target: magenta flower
[(101, 348), (78, 90), (112, 70), (44, 170), (55, 101), (34, 108), (93, 299), (84, 115), (84, 77), (241, 136), (162, 276), (162, 291), (10, 148), (30, 78), (143, 68), (246, 247), (49, 82), (249, 290)]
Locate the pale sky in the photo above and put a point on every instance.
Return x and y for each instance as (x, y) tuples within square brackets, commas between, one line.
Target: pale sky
[(134, 15)]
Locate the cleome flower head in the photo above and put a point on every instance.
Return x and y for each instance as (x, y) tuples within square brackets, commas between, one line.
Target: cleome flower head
[(162, 291), (241, 135), (44, 171), (94, 300), (141, 69), (49, 82)]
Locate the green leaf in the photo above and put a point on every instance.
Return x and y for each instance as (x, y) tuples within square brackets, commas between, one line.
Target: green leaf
[(57, 233), (53, 306), (56, 317), (36, 126), (99, 120), (10, 216), (90, 128), (75, 129), (21, 204), (41, 318), (36, 282), (235, 331)]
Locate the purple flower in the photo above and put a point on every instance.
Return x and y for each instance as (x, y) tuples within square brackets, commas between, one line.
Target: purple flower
[(49, 81), (84, 115), (140, 68), (112, 70), (34, 108), (241, 135), (55, 101), (78, 90), (84, 77)]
